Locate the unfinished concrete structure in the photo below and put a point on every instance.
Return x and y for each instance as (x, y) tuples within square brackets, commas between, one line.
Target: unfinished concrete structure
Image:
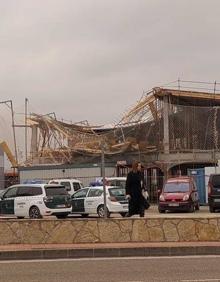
[(169, 130)]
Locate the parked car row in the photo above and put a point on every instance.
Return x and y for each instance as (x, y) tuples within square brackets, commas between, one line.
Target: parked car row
[(38, 200), (64, 196)]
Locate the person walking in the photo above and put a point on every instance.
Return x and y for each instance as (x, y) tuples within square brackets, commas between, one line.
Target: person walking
[(134, 190)]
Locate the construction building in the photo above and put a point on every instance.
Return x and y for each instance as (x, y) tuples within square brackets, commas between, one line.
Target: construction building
[(169, 130)]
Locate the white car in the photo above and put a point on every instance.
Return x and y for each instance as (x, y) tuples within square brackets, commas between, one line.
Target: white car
[(71, 185), (90, 200), (121, 182), (35, 201)]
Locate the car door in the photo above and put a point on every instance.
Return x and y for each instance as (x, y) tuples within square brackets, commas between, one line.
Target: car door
[(7, 202), (78, 201), (195, 194), (93, 199)]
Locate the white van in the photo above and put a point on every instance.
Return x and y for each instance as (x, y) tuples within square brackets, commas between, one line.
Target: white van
[(35, 201), (71, 185)]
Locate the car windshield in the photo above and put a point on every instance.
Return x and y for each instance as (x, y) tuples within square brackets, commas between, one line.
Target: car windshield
[(55, 190), (117, 191), (176, 187)]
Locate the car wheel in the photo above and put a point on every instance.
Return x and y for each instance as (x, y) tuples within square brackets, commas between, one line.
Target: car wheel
[(211, 209), (161, 211), (123, 214), (34, 212), (84, 215), (62, 216), (192, 208), (101, 211)]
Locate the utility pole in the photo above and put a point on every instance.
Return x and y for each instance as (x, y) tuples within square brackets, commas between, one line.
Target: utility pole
[(25, 122), (103, 177), (13, 126), (10, 106)]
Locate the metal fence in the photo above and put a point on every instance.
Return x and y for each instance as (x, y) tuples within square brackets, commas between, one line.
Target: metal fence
[(194, 128)]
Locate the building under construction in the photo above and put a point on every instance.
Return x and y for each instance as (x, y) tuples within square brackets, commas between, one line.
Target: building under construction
[(169, 130)]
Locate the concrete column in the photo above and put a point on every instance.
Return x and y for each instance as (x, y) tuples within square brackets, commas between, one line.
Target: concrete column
[(166, 140), (2, 176), (34, 141)]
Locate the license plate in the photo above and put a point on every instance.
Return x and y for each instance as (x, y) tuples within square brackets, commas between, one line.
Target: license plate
[(174, 205), (217, 200), (61, 206)]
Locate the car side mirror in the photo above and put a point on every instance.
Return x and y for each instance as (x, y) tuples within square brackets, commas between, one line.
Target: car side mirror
[(68, 189)]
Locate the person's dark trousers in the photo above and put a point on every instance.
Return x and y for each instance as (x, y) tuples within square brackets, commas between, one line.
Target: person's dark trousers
[(142, 211)]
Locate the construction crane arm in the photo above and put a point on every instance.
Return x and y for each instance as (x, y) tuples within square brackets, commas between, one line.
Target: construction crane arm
[(7, 151)]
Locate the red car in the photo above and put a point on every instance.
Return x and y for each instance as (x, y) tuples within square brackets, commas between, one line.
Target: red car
[(179, 193)]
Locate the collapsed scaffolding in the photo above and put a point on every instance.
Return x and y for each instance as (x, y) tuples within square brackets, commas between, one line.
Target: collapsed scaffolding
[(164, 120), (59, 142)]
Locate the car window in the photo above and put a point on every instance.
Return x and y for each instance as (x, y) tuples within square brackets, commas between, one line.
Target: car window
[(76, 186), (115, 182), (117, 192), (29, 191), (66, 184), (120, 183), (95, 193), (11, 193), (176, 187), (81, 193), (53, 182), (55, 190), (215, 180)]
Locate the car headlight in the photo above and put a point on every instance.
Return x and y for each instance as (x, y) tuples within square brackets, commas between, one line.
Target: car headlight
[(186, 197), (162, 198)]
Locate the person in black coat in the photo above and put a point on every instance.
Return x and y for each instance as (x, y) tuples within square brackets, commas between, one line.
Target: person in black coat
[(134, 190)]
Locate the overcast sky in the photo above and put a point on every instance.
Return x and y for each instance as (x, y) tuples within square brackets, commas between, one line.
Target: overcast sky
[(92, 59)]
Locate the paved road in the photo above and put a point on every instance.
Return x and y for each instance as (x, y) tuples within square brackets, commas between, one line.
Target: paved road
[(182, 269)]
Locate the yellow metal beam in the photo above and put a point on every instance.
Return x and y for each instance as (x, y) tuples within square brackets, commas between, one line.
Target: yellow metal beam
[(6, 149)]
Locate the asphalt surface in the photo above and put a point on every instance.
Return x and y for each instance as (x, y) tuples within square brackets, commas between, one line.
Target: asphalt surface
[(182, 269), (152, 211)]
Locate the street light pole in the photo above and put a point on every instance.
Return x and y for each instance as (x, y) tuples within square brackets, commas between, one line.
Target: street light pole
[(103, 177)]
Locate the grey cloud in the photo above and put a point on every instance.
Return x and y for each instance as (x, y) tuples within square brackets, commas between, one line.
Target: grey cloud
[(92, 59)]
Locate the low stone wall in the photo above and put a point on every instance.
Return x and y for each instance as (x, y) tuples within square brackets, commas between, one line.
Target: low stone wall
[(52, 231)]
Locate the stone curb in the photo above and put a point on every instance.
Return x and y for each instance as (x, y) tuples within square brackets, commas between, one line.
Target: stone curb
[(108, 252)]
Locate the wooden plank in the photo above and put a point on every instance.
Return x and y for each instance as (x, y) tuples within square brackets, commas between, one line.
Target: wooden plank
[(160, 92), (153, 110)]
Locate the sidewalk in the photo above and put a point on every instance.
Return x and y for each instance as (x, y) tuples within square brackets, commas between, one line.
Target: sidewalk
[(97, 250)]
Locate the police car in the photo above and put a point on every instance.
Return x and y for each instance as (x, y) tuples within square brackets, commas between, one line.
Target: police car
[(71, 185), (35, 201), (90, 200)]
